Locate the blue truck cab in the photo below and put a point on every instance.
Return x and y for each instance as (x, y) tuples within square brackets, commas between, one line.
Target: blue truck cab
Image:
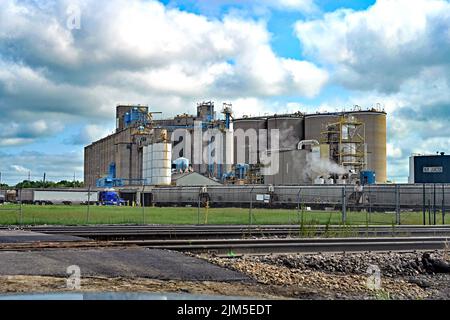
[(110, 198)]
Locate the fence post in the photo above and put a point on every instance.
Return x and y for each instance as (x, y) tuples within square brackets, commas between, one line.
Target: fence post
[(250, 221), (429, 211), (434, 203), (198, 209), (88, 205), (344, 206), (424, 205), (443, 204), (370, 204), (143, 203), (298, 205), (21, 209), (397, 204)]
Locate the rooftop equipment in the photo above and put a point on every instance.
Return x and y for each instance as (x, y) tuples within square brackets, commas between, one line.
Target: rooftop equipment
[(180, 164)]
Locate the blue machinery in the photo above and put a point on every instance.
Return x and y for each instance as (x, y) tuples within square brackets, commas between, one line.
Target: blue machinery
[(367, 177), (240, 172), (136, 115), (110, 180), (228, 114)]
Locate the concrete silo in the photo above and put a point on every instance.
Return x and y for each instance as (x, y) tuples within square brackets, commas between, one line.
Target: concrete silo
[(374, 131), (375, 135), (291, 130), (252, 131)]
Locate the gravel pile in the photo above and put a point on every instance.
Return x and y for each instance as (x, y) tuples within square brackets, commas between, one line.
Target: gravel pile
[(343, 286), (391, 264)]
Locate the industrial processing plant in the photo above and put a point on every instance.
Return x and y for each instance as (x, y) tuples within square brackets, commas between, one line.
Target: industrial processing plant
[(346, 147)]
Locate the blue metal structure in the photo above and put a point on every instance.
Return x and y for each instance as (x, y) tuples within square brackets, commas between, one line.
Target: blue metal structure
[(110, 180), (227, 120), (367, 177), (241, 170), (135, 115)]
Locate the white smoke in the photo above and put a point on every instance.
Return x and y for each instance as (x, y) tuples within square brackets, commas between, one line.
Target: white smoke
[(316, 166)]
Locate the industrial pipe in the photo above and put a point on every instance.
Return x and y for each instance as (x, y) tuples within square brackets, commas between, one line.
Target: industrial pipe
[(307, 143)]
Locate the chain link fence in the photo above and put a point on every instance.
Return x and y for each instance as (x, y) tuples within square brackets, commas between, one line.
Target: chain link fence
[(247, 204)]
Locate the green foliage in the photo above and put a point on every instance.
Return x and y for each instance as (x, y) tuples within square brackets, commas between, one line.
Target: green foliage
[(49, 184), (4, 186)]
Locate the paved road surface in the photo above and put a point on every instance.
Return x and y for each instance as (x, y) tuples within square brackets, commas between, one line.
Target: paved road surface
[(127, 262)]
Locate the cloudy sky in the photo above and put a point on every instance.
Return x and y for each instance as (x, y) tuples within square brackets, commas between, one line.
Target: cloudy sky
[(64, 65)]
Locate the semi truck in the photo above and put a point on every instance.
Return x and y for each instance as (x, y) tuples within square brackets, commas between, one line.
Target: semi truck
[(67, 197)]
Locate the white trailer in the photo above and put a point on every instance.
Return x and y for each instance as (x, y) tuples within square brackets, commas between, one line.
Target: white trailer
[(64, 197)]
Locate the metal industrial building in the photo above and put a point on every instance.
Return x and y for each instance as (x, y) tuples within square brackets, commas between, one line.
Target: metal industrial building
[(429, 168), (136, 128), (354, 140)]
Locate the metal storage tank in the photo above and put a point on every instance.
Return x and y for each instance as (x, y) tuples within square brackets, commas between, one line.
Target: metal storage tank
[(245, 124), (161, 163), (291, 130), (316, 123), (147, 163), (157, 165), (375, 136), (375, 129)]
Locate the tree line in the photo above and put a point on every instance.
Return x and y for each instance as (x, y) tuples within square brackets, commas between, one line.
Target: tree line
[(44, 184)]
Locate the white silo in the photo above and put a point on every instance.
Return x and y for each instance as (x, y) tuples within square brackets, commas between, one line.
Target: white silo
[(157, 160), (161, 170)]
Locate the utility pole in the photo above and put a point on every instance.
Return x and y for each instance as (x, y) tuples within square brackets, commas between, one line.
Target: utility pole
[(44, 178), (29, 175)]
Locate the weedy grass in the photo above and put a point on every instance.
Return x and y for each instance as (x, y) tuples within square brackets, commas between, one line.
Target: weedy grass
[(78, 215)]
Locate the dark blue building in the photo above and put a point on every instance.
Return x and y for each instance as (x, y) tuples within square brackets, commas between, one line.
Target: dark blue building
[(429, 169)]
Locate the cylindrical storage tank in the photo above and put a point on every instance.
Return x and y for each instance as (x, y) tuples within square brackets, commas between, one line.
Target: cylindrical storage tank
[(244, 128), (375, 132), (161, 163), (375, 135), (315, 124), (291, 131), (147, 163)]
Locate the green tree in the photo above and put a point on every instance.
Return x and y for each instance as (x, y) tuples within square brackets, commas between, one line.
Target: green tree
[(49, 184)]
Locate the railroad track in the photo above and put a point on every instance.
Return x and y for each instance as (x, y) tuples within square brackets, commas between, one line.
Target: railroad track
[(155, 232), (236, 247), (310, 245)]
